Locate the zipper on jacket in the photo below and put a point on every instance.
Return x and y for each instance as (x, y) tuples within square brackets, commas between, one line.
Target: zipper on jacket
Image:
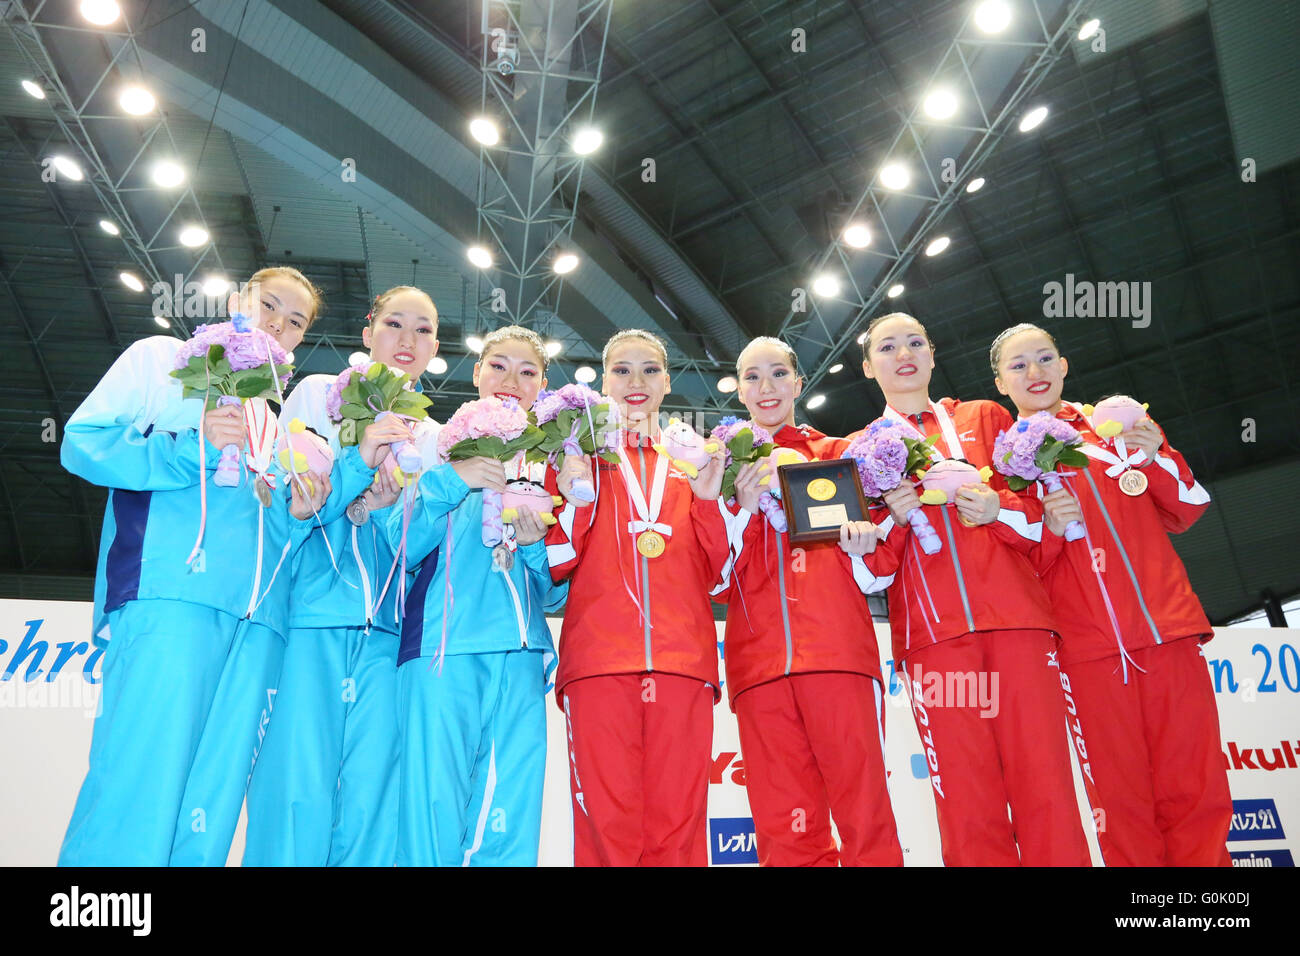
[(257, 568), (956, 561), (519, 608), (365, 579), (785, 611), (1123, 555), (645, 573)]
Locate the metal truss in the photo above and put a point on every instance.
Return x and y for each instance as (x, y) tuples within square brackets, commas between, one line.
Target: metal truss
[(113, 186), (534, 53), (933, 196)]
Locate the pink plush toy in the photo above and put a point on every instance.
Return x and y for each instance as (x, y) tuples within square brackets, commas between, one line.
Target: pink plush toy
[(520, 492), (945, 478), (684, 446), (305, 451), (1115, 415)]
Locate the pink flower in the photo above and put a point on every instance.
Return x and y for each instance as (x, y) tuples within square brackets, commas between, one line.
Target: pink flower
[(480, 419)]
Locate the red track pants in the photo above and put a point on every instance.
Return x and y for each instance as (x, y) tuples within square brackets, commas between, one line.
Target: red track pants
[(812, 746), (991, 715), (640, 748), (1160, 792)]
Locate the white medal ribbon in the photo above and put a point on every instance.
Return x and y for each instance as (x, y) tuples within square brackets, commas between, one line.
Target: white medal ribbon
[(945, 425), (1119, 463), (649, 520)]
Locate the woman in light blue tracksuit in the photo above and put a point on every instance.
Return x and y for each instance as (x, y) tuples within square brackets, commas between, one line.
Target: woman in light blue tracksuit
[(472, 719), (194, 646), (325, 790)]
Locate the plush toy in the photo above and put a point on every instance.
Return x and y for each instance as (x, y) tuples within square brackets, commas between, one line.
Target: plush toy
[(303, 451), (945, 478), (1115, 415), (685, 448), (520, 492)]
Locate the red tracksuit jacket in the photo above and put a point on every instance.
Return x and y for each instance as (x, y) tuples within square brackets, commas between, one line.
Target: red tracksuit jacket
[(798, 610), (1143, 576), (982, 579), (604, 631)]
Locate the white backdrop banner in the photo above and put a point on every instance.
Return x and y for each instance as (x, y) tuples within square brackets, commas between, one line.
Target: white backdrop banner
[(49, 693)]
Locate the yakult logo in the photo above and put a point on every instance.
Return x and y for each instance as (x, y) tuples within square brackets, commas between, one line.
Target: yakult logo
[(1281, 757)]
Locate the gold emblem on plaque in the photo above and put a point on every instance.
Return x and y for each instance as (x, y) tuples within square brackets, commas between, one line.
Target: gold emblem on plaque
[(1133, 483), (821, 489), (650, 544)]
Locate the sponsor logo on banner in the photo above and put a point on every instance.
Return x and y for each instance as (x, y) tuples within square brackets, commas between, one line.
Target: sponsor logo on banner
[(727, 766), (1262, 858), (1255, 820), (731, 840), (1267, 675), (29, 657), (1281, 757)]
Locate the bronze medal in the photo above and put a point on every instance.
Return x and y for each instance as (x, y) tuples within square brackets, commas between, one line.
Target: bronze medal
[(650, 544), (1133, 483)]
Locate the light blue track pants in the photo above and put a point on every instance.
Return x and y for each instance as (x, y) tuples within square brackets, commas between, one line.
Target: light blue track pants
[(473, 760), (325, 790), (184, 687)]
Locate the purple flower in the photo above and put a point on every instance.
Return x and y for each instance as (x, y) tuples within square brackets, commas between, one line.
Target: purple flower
[(334, 396), (574, 395), (881, 456), (1015, 452), (243, 350)]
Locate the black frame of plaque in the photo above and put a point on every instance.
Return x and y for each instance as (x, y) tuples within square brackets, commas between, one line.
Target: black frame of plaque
[(794, 497)]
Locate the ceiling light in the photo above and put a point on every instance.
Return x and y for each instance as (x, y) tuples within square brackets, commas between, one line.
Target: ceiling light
[(837, 367), (587, 140), (1033, 118), (565, 263), (857, 235), (474, 343), (167, 174), (136, 100), (992, 16), (193, 236), (437, 365), (109, 226), (131, 281), (937, 246), (975, 185), (817, 401), (940, 105), (214, 286), (33, 90), (1088, 29), (727, 384), (585, 374), (100, 12), (288, 358), (894, 176), (479, 256), (162, 322), (553, 349), (68, 168), (484, 131), (895, 290), (826, 286)]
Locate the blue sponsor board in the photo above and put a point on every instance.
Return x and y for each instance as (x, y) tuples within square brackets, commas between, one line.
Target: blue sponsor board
[(1261, 858), (1255, 820), (731, 840)]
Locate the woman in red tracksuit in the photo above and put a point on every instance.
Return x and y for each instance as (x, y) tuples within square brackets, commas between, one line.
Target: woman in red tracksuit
[(973, 620), (638, 673), (803, 668), (1131, 626)]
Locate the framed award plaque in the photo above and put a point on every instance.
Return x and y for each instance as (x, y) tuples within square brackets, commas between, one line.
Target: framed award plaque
[(819, 496)]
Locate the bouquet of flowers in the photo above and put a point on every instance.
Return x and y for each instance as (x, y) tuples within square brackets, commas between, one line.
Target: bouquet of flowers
[(886, 454), (369, 392), (1031, 451), (488, 428), (746, 443), (228, 363), (575, 420)]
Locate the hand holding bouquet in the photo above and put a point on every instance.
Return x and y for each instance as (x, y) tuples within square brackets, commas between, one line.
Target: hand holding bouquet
[(1032, 450), (370, 392), (886, 454), (575, 420), (747, 443)]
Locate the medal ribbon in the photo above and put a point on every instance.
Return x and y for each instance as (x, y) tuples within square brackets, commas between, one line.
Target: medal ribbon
[(945, 425), (1119, 463), (649, 515)]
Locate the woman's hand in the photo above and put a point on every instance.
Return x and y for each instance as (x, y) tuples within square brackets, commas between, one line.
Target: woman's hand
[(858, 537), (303, 506), (379, 435), (749, 486), (708, 483), (528, 527), (486, 473), (978, 504), (1144, 435), (902, 500), (224, 425), (1059, 509), (574, 467)]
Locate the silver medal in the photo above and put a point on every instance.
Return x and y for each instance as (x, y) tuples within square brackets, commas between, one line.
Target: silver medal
[(358, 512), (503, 557), (263, 492)]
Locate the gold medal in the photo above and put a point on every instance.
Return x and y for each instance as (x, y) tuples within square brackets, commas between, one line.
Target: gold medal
[(1133, 483), (821, 489), (650, 544)]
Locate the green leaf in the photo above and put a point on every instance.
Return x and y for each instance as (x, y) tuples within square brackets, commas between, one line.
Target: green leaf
[(358, 412), (1016, 483), (1074, 458), (491, 446), (742, 444), (610, 457)]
